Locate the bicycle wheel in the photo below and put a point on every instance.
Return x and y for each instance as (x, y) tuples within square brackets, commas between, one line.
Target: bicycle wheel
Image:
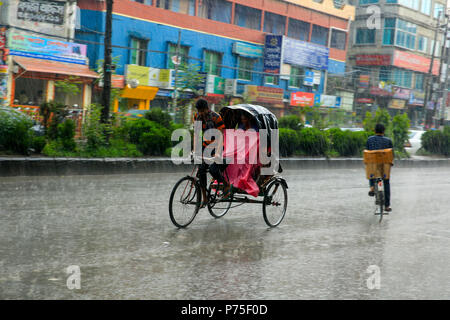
[(216, 207), (184, 202), (275, 203), (381, 204)]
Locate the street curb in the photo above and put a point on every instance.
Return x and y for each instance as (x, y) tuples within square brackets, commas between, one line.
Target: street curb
[(10, 167)]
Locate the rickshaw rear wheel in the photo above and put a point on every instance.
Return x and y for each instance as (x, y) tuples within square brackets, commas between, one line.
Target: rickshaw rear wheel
[(275, 203)]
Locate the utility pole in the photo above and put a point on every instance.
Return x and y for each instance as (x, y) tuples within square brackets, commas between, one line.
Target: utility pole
[(176, 63), (445, 61), (106, 97), (428, 86)]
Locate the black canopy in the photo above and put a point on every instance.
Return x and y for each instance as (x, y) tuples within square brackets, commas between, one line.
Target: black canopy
[(263, 118)]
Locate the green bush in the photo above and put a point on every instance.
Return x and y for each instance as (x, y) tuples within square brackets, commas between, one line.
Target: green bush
[(288, 142), (290, 122), (160, 117), (38, 144), (151, 138), (15, 131), (66, 134), (400, 130), (347, 143), (437, 142), (313, 142), (94, 130)]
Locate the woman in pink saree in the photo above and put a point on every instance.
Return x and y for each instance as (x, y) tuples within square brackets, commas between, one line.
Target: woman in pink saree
[(241, 146)]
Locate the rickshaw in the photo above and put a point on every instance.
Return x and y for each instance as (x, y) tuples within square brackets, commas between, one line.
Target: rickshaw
[(185, 199)]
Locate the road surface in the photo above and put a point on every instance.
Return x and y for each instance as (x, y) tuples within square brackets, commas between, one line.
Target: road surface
[(116, 229)]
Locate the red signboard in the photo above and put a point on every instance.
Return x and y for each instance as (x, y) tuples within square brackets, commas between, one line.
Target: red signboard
[(414, 62), (302, 99), (118, 81), (373, 59), (364, 100), (380, 92)]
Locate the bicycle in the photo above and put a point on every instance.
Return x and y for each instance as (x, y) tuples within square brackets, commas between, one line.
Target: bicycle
[(379, 198), (187, 192)]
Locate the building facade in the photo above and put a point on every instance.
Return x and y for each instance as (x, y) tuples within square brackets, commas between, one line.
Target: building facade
[(264, 50), (37, 53), (391, 55)]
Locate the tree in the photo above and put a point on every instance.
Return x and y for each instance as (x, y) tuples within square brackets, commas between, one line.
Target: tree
[(400, 130)]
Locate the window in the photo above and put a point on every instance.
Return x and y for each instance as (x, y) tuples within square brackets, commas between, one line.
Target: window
[(426, 7), (274, 23), (364, 36), (422, 44), (385, 73), (338, 39), (245, 67), (183, 53), (364, 2), (273, 80), (413, 4), (217, 10), (419, 81), (319, 35), (247, 17), (138, 56), (400, 33), (164, 4), (389, 31), (296, 77), (406, 34), (212, 62), (298, 29), (438, 9), (402, 78), (147, 2), (70, 99), (29, 92)]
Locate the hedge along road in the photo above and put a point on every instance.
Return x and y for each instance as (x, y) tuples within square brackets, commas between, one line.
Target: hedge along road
[(116, 229)]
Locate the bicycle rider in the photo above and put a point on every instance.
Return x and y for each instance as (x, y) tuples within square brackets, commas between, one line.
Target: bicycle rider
[(210, 120), (380, 142)]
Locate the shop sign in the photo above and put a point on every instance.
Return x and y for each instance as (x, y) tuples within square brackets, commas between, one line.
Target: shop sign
[(118, 81), (397, 104), (417, 98), (401, 93), (48, 49), (273, 53), (139, 73), (309, 78), (161, 78), (302, 99), (364, 100), (373, 59), (364, 80), (215, 84), (248, 50), (41, 11), (265, 94), (306, 54), (410, 61), (2, 38)]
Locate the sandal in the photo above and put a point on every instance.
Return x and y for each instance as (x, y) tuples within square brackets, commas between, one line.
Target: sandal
[(371, 193), (388, 209)]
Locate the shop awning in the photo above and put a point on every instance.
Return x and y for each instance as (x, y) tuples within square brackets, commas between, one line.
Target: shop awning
[(47, 66), (141, 93)]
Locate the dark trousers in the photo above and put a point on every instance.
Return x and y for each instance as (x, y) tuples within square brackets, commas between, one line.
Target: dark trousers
[(387, 190), (216, 171)]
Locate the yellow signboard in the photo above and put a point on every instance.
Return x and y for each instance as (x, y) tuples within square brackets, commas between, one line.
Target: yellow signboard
[(138, 73)]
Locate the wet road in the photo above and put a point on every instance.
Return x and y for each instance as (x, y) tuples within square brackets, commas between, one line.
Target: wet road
[(117, 230)]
